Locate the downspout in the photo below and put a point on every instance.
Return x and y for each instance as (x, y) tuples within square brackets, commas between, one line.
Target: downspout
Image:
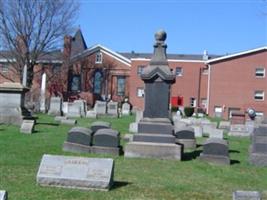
[(208, 92)]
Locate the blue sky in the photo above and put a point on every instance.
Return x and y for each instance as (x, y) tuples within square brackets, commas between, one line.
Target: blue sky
[(219, 26)]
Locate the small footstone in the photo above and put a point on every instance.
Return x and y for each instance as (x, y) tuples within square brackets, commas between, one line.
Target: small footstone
[(69, 121), (246, 195), (27, 126)]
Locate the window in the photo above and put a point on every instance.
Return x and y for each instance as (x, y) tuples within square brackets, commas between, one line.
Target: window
[(193, 102), (218, 111), (99, 57), (205, 71), (204, 103), (121, 85), (75, 83), (98, 78), (140, 69), (259, 95), (260, 72), (178, 71), (140, 92), (4, 67)]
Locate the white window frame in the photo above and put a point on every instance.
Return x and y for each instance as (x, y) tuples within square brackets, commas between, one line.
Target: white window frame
[(193, 102), (257, 94), (181, 71), (140, 92), (140, 69), (259, 113), (99, 58), (258, 75)]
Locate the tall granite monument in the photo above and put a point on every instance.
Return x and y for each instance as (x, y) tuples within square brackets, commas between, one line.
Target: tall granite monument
[(155, 131)]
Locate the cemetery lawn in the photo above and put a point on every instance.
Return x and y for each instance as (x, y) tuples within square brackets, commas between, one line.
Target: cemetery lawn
[(189, 179)]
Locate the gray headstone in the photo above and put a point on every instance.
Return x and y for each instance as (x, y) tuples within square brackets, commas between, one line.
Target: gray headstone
[(125, 108), (215, 150), (100, 107), (27, 126), (91, 114), (246, 195), (69, 121), (216, 133), (106, 138), (3, 195), (133, 127), (138, 115), (112, 108), (80, 135), (224, 125), (55, 107), (74, 110), (198, 131), (59, 118), (100, 125), (185, 133), (239, 130), (208, 128), (83, 106), (65, 106), (75, 172)]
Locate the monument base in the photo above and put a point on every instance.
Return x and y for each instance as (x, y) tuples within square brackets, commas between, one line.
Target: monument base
[(106, 150), (155, 125), (76, 148), (187, 143), (153, 150), (159, 138), (213, 159)]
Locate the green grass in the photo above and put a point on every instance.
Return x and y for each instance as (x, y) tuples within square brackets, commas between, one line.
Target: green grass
[(137, 179)]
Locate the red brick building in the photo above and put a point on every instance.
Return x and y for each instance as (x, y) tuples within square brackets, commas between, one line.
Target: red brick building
[(219, 85)]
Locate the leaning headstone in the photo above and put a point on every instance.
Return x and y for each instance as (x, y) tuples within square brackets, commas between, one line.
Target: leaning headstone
[(215, 151), (258, 148), (100, 107), (76, 172), (112, 109), (3, 195), (55, 107), (79, 140), (95, 126), (27, 126), (216, 133), (74, 110), (106, 141), (125, 110), (246, 195), (69, 121), (155, 130), (186, 137)]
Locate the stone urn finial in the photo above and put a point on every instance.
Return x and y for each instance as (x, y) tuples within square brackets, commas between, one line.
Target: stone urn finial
[(160, 35)]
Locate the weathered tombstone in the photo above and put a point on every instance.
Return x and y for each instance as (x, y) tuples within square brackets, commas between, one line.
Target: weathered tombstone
[(208, 128), (138, 115), (246, 195), (178, 125), (79, 140), (133, 127), (239, 130), (76, 172), (215, 151), (112, 109), (216, 133), (55, 107), (91, 114), (224, 125), (155, 131), (65, 106), (42, 96), (198, 131), (27, 126), (74, 110), (106, 141), (125, 110), (3, 195), (128, 137), (258, 148), (186, 137), (95, 126), (69, 121), (60, 118), (100, 107), (83, 106), (12, 109)]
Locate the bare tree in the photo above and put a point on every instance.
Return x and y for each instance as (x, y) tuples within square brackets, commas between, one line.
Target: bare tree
[(31, 28)]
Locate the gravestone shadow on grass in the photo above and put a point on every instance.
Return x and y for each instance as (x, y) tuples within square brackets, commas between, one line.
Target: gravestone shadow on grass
[(233, 162), (119, 184), (49, 124), (187, 156)]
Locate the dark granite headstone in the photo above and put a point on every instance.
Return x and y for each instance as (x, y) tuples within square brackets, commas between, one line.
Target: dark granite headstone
[(215, 150), (79, 140), (186, 137), (100, 125)]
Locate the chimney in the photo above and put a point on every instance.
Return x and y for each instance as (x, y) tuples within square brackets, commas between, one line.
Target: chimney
[(67, 47), (205, 55)]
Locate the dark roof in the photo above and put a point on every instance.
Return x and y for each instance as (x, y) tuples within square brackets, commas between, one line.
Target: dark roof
[(78, 44), (169, 56)]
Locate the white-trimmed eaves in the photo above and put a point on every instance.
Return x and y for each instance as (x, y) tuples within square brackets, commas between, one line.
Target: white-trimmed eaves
[(169, 60), (236, 54), (105, 50)]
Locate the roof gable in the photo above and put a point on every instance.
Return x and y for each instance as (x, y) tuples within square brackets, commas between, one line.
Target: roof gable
[(78, 44)]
